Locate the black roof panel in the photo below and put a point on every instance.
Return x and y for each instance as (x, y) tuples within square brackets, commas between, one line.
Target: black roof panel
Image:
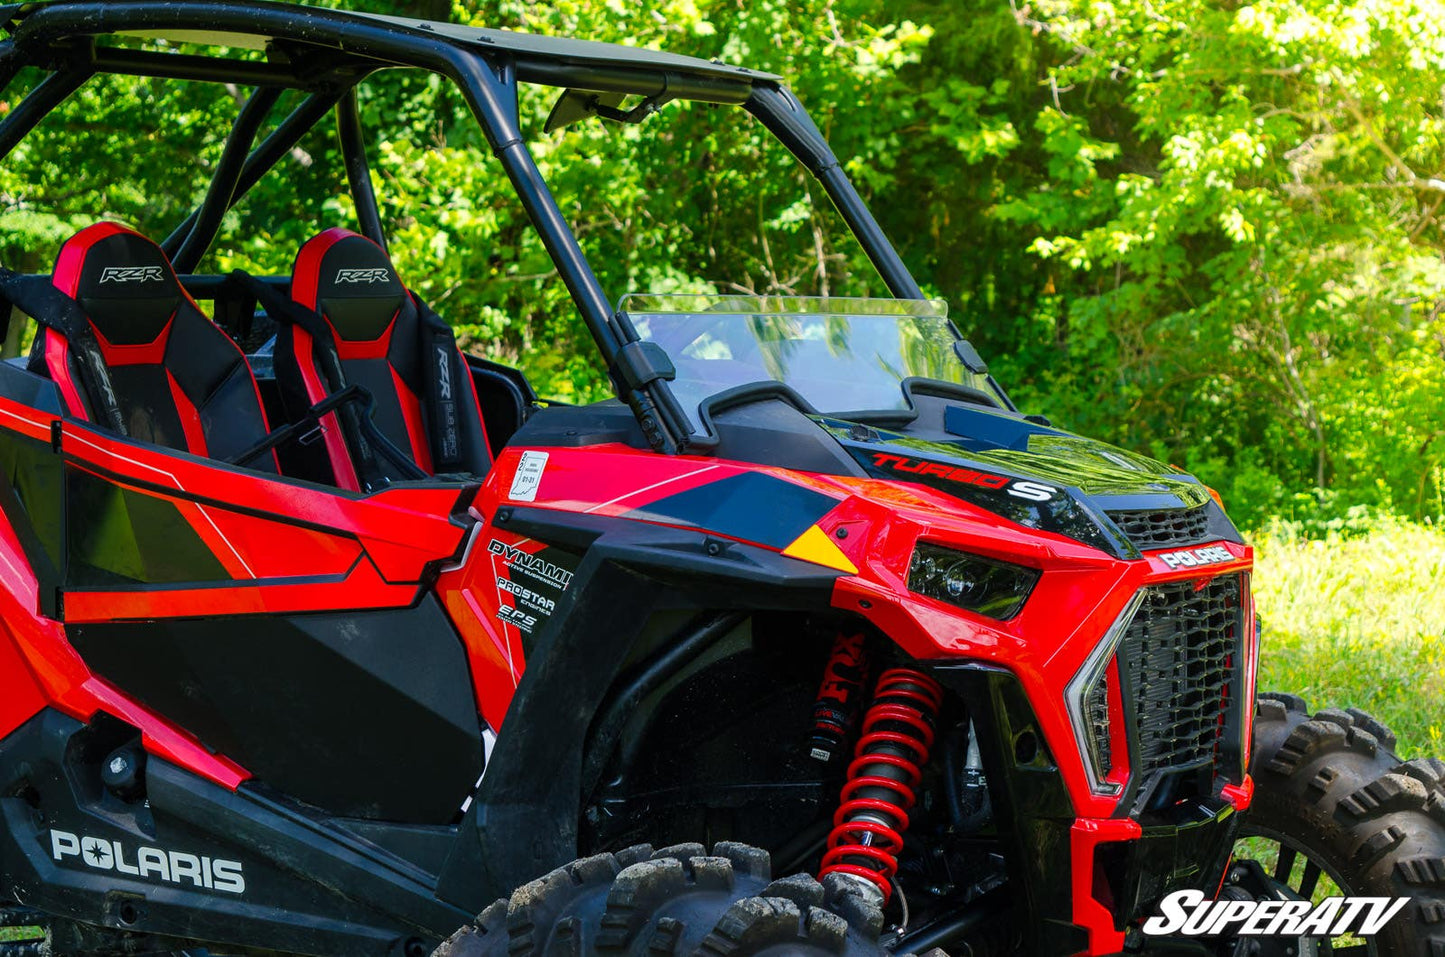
[(329, 27)]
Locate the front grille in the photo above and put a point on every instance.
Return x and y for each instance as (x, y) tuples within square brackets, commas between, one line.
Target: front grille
[(1179, 659), (1096, 707), (1165, 527)]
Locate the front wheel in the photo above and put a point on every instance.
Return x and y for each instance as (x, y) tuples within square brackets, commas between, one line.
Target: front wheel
[(1333, 805), (679, 900)]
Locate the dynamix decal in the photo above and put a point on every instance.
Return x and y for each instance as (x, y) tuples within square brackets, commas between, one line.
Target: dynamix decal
[(526, 596), (148, 863), (1190, 913), (1032, 491), (1190, 557), (532, 565)]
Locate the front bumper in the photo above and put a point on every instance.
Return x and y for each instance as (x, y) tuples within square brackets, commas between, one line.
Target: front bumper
[(1085, 880)]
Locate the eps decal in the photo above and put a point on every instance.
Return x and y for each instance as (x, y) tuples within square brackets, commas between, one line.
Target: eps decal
[(517, 617), (148, 863)]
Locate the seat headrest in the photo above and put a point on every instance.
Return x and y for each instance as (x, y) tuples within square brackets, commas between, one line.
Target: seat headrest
[(122, 280), (350, 280)]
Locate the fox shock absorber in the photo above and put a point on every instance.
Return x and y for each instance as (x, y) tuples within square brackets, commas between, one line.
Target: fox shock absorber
[(883, 780), (836, 710)]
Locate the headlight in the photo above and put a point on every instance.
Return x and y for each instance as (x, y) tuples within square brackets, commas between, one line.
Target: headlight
[(981, 585), (1087, 697)]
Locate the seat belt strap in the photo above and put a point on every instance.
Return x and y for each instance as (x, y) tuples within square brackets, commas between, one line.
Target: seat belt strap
[(37, 297), (443, 388), (285, 309)]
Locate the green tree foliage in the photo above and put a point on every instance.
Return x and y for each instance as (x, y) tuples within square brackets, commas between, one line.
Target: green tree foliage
[(1208, 231), (1259, 262)]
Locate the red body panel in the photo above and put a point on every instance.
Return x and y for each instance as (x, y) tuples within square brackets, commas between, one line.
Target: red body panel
[(289, 547), (1080, 595), (293, 547)]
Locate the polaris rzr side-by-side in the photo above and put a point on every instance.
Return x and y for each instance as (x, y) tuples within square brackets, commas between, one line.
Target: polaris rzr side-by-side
[(809, 642)]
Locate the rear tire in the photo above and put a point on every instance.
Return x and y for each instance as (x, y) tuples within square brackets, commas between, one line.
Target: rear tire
[(1330, 787), (678, 900)]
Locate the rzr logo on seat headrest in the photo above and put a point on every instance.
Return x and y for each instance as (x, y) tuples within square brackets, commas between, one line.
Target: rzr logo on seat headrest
[(375, 274), (132, 274)]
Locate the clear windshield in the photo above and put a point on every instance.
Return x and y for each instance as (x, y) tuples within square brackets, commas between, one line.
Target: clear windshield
[(841, 355)]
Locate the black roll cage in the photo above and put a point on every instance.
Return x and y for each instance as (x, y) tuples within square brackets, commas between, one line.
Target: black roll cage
[(327, 53)]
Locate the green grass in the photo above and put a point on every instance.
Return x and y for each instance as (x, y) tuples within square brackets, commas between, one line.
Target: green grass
[(1358, 620)]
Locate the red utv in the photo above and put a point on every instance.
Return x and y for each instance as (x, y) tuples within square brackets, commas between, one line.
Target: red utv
[(322, 649)]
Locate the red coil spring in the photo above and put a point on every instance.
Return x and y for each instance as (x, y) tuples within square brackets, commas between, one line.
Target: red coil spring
[(868, 828)]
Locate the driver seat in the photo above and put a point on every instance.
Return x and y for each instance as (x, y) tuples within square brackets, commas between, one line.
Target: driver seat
[(386, 341), (178, 380)]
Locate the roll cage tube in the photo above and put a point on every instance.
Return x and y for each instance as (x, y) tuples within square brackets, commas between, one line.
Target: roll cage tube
[(223, 182), (487, 66), (358, 171), (281, 141)]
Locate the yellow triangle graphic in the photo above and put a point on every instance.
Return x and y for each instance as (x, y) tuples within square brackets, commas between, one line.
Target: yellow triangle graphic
[(815, 546)]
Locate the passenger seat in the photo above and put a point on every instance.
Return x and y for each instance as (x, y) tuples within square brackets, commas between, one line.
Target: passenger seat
[(390, 345), (173, 377)]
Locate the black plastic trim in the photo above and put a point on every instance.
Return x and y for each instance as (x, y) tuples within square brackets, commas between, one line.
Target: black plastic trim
[(633, 577)]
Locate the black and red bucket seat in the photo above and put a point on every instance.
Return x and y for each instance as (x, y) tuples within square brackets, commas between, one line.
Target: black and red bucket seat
[(392, 346), (160, 370)]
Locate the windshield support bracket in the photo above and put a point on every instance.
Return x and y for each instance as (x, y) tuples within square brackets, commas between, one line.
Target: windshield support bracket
[(640, 364)]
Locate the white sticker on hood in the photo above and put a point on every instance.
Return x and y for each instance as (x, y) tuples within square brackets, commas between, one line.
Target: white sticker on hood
[(529, 477)]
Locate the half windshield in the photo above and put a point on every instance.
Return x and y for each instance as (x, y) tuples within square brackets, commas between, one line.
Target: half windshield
[(841, 355)]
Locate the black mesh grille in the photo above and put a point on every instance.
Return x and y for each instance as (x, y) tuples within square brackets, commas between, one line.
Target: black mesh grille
[(1163, 528), (1097, 710), (1179, 654)]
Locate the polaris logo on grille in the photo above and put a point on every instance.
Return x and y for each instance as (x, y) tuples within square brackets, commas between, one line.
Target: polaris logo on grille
[(1191, 557), (1189, 913), (148, 863), (132, 274), (363, 277)]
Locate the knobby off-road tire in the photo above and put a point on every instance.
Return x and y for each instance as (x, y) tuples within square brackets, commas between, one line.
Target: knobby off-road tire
[(1330, 785), (678, 900)]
